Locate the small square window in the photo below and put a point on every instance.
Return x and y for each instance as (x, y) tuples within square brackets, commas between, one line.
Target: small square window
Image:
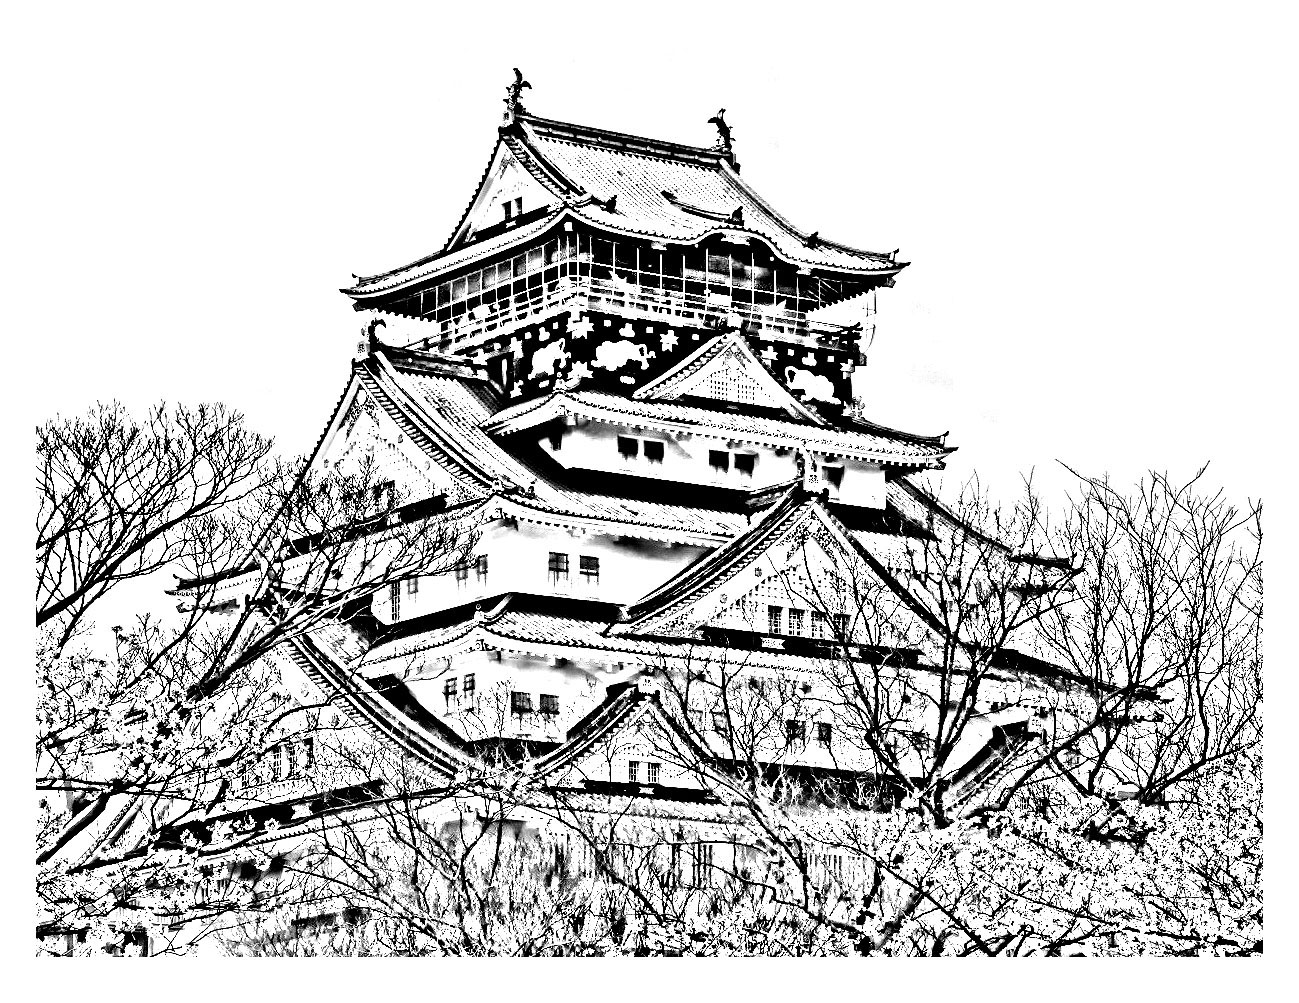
[(589, 568), (520, 703), (651, 773), (628, 446), (549, 703), (633, 771), (653, 451), (470, 683), (823, 729), (796, 622), (795, 731), (719, 459), (744, 463)]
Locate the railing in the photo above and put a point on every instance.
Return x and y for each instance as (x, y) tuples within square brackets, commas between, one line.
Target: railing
[(625, 299)]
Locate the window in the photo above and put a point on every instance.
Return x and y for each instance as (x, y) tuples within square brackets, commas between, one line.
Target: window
[(558, 568), (651, 773), (633, 771), (412, 586), (833, 475), (549, 703), (795, 731), (653, 451), (589, 568), (796, 622), (818, 624), (469, 684), (719, 459), (773, 619), (394, 599), (480, 569), (520, 703), (462, 575), (823, 729), (744, 463), (627, 446)]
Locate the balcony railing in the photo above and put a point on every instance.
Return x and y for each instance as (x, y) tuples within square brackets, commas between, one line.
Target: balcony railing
[(625, 299)]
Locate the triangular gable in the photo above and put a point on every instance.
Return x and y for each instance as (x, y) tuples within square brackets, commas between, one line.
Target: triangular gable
[(725, 369), (796, 557), (506, 181)]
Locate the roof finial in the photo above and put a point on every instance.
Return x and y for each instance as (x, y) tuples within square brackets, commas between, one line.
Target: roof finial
[(513, 106), (723, 144)]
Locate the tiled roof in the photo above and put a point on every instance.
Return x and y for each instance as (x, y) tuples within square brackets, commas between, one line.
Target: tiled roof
[(666, 191), (703, 421)]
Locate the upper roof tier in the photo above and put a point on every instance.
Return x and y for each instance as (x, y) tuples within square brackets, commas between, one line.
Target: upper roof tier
[(544, 173)]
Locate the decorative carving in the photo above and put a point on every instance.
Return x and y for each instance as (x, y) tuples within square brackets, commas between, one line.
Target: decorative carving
[(813, 387), (513, 93), (613, 355), (723, 144)]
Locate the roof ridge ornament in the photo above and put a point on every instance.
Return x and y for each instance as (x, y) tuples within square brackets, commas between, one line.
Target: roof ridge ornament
[(723, 144), (513, 94)]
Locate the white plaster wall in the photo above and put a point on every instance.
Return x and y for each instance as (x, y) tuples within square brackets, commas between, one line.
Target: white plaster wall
[(518, 558)]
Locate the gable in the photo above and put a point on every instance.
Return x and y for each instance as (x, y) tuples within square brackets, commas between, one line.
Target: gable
[(727, 371), (506, 183)]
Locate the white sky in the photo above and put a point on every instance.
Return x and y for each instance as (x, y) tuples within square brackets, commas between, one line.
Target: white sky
[(1082, 197)]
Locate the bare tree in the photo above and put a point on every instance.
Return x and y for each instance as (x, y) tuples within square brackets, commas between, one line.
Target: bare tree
[(140, 735)]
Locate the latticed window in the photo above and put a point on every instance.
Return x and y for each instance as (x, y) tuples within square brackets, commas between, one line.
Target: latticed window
[(549, 703), (520, 703), (796, 622), (589, 568), (557, 566), (653, 451), (480, 569), (651, 773), (774, 619), (633, 771)]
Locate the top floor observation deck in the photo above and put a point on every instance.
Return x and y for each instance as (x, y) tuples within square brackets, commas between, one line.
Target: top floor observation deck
[(698, 288)]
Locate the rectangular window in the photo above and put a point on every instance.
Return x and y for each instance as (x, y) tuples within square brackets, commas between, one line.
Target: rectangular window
[(633, 771), (653, 451), (394, 599), (773, 619), (412, 586), (823, 732), (470, 682), (818, 624), (628, 446), (744, 463), (651, 773), (520, 703), (796, 622), (480, 569), (557, 566), (719, 459), (589, 568), (795, 731), (549, 703)]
